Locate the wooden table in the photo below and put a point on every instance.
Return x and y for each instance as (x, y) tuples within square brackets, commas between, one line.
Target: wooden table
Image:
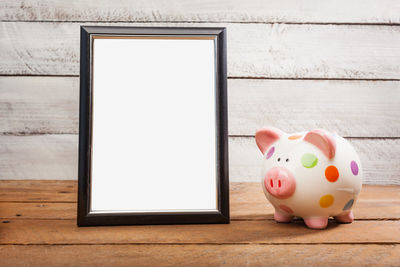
[(38, 227)]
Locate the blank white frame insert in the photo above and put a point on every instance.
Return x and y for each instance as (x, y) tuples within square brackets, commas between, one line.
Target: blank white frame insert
[(153, 125)]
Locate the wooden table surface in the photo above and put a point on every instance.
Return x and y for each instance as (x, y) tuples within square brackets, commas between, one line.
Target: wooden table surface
[(38, 228)]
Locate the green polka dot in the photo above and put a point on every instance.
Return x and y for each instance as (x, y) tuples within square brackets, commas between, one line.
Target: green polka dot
[(309, 160)]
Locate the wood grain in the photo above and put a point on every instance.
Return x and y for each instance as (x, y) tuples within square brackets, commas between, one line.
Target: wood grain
[(351, 108), (65, 191), (254, 50), (375, 202), (204, 255), (247, 201), (38, 191), (382, 209), (38, 105), (36, 156), (41, 232), (304, 11), (48, 157), (33, 242)]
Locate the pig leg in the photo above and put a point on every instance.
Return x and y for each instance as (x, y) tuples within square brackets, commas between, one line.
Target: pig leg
[(345, 218), (281, 217), (316, 222)]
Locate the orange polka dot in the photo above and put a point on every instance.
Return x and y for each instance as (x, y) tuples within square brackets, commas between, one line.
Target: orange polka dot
[(326, 201), (294, 137), (331, 173)]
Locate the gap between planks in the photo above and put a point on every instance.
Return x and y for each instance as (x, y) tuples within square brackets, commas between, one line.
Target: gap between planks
[(8, 220), (229, 78), (200, 244), (229, 135), (394, 24), (196, 244), (352, 137)]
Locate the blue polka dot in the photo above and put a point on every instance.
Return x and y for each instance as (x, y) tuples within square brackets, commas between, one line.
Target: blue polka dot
[(349, 204)]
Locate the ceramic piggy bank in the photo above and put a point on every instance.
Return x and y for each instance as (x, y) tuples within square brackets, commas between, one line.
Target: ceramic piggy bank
[(313, 175)]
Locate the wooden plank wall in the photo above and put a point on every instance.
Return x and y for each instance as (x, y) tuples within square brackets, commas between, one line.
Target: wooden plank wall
[(296, 65)]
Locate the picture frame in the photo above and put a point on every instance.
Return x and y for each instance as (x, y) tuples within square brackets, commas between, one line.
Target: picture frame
[(153, 127)]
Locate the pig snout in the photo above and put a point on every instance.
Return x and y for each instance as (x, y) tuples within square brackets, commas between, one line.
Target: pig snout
[(280, 182)]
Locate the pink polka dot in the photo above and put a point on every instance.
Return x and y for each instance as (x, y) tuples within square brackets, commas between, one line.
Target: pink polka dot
[(286, 209), (270, 152)]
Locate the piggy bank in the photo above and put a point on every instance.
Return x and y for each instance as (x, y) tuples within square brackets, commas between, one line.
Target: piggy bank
[(313, 175)]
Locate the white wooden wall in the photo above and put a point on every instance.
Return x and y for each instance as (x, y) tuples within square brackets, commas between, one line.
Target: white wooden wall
[(293, 64)]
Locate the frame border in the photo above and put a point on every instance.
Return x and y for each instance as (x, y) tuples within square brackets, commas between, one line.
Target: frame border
[(85, 218)]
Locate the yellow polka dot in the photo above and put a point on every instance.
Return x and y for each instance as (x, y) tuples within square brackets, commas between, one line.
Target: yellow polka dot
[(294, 137), (326, 201)]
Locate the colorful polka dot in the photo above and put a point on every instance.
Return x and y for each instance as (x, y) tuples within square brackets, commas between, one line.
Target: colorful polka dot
[(309, 160), (349, 204), (294, 137), (270, 152), (326, 201), (286, 209), (354, 167), (331, 173)]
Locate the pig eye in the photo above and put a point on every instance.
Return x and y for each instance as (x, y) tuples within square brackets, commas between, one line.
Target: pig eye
[(287, 160), (279, 159)]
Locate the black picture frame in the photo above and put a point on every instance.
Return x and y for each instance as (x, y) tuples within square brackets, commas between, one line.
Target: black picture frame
[(84, 217)]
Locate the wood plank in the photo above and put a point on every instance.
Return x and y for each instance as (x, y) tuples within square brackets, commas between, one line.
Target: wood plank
[(379, 156), (204, 255), (42, 211), (46, 200), (38, 191), (41, 232), (36, 156), (253, 207), (304, 11), (38, 105), (375, 202), (350, 108), (254, 50), (49, 157), (336, 105), (41, 186)]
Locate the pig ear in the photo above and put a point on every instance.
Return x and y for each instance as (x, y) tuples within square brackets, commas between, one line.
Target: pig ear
[(323, 140), (266, 136)]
